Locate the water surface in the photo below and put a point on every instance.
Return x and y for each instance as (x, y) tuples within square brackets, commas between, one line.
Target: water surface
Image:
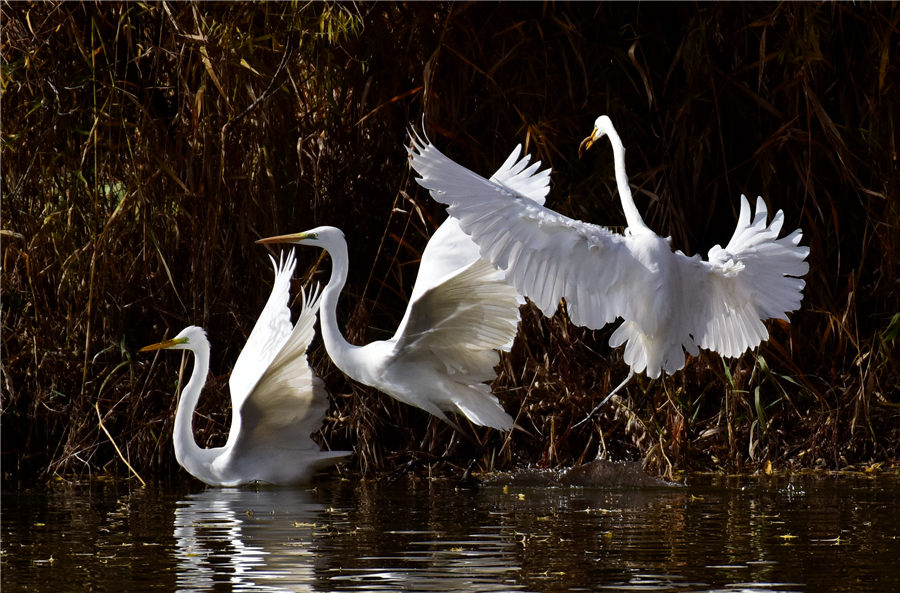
[(801, 533)]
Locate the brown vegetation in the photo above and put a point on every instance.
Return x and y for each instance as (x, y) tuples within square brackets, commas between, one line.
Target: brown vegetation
[(146, 146)]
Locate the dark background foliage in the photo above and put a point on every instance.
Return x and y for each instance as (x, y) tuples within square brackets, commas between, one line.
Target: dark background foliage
[(146, 146)]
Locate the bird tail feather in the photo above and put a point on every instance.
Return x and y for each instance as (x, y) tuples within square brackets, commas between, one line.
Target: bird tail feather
[(478, 404), (643, 352)]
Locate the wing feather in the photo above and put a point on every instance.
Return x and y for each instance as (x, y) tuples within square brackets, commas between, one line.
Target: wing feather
[(757, 276), (463, 322), (271, 330), (289, 402), (531, 243), (523, 179), (450, 249)]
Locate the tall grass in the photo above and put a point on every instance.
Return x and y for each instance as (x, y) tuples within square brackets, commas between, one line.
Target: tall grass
[(146, 146)]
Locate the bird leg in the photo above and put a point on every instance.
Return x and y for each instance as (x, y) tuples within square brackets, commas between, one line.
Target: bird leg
[(468, 480), (606, 399)]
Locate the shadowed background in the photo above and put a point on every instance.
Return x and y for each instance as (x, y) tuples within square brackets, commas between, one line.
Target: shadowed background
[(145, 147)]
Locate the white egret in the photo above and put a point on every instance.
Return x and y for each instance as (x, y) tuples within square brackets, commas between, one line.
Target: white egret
[(669, 302), (460, 313), (276, 400)]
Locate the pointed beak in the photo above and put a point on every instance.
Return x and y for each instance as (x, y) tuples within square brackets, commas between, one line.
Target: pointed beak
[(293, 238), (164, 345), (587, 142)]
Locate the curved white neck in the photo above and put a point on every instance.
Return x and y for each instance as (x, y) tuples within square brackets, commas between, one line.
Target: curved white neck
[(341, 351), (632, 216), (193, 458)]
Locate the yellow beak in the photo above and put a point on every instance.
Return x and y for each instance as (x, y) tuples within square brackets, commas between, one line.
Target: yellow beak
[(293, 238), (163, 345), (587, 142)]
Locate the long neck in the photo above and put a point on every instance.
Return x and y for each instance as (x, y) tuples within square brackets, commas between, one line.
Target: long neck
[(191, 457), (632, 216), (340, 350)]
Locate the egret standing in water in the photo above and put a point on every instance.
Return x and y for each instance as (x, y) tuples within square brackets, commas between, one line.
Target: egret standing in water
[(460, 314), (669, 302), (276, 400)]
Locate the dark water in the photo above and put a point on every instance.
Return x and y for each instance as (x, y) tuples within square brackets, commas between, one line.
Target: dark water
[(805, 533)]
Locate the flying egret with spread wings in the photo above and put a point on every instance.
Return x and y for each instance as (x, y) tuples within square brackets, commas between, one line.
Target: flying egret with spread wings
[(460, 314), (276, 400), (670, 303)]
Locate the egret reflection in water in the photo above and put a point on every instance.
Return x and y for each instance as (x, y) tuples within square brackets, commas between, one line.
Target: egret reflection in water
[(249, 540), (716, 533)]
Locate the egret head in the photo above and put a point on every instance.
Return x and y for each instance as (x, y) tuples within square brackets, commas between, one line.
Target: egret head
[(323, 236), (189, 338), (602, 126)]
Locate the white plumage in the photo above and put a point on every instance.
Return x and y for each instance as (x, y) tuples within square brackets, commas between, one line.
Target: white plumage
[(461, 312), (276, 400), (668, 302)]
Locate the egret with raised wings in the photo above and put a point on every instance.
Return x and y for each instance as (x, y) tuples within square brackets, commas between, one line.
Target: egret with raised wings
[(670, 303), (276, 400), (460, 314)]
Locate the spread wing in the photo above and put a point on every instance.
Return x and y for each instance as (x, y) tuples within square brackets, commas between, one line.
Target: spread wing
[(545, 255), (289, 402), (461, 322), (756, 276), (268, 335), (450, 249), (720, 304)]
